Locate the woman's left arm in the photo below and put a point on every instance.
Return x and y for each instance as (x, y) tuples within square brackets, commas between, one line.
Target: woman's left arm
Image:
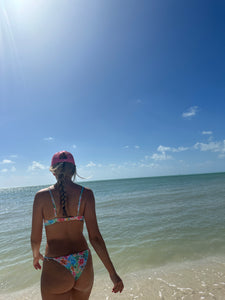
[(36, 232)]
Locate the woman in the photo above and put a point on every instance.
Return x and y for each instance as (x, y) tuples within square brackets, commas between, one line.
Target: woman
[(67, 265)]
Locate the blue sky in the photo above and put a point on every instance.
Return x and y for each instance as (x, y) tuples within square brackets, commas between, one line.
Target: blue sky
[(131, 88)]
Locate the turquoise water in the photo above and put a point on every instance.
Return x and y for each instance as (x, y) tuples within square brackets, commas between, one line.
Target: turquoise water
[(147, 223)]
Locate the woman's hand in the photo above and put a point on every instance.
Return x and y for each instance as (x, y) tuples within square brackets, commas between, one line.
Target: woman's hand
[(118, 283), (36, 263)]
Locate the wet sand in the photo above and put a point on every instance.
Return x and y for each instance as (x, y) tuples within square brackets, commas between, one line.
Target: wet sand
[(191, 280)]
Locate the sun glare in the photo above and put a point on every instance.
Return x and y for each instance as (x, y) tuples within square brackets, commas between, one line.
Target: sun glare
[(25, 12), (25, 7), (16, 16)]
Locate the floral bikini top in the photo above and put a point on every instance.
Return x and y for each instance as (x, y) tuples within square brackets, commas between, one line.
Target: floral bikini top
[(58, 220)]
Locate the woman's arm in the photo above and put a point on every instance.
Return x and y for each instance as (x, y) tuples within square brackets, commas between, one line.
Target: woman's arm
[(36, 231), (97, 241)]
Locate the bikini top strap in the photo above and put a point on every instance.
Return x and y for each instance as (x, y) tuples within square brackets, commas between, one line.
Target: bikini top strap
[(78, 209), (53, 203)]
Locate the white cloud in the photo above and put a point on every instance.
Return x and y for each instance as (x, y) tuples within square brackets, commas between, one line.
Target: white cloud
[(180, 149), (152, 165), (162, 152), (49, 139), (163, 148), (128, 147), (206, 132), (211, 146), (171, 149), (36, 166), (7, 161), (191, 112), (161, 156), (12, 169), (90, 164), (74, 146), (218, 147)]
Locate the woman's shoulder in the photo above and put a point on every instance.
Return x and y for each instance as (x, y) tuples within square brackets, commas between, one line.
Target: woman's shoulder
[(43, 192), (88, 195), (40, 198), (80, 187)]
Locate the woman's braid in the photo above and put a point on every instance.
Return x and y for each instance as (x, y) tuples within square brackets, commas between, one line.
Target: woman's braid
[(62, 192)]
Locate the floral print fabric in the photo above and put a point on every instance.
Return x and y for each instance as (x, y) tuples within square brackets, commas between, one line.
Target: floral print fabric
[(58, 220), (75, 263)]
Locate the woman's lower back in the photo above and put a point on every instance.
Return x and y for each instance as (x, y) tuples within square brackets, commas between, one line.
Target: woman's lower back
[(59, 247)]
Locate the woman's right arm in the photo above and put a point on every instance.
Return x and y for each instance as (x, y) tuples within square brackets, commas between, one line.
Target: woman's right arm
[(97, 241), (36, 231)]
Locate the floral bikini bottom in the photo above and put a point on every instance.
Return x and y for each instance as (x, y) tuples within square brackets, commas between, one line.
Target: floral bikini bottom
[(75, 263)]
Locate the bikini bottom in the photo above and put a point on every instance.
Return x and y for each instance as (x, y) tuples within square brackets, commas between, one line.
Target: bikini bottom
[(75, 263)]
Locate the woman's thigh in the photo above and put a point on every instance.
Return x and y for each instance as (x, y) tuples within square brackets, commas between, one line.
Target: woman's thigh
[(56, 281)]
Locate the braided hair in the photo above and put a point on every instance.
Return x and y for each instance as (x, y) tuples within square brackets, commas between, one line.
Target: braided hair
[(61, 171), (63, 195)]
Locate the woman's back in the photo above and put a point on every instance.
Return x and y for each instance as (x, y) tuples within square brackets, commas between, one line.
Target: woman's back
[(64, 233)]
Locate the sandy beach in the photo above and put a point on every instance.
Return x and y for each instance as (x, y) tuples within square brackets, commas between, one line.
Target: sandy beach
[(188, 281)]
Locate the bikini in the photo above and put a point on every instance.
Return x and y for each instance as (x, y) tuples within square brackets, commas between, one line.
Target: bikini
[(76, 262)]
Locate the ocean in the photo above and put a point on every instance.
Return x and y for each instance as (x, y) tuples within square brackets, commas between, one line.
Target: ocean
[(165, 236)]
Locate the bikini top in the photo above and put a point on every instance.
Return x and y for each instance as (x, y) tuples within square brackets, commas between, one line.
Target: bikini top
[(58, 220)]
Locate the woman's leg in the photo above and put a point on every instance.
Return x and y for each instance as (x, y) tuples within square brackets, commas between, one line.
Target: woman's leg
[(83, 286), (56, 281)]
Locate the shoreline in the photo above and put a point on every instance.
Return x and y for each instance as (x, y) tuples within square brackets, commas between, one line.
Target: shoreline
[(202, 279)]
